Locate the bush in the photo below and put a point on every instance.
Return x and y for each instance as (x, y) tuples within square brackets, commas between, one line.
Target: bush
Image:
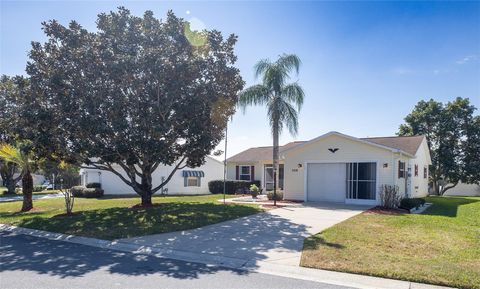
[(216, 186), (37, 188), (389, 196), (279, 195), (410, 203), (83, 192), (92, 193), (94, 185), (77, 191), (4, 192)]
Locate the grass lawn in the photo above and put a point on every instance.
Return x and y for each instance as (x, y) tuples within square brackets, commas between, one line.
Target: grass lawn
[(112, 218), (440, 246), (46, 192)]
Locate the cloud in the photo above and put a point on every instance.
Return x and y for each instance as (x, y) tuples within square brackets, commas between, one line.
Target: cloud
[(468, 58)]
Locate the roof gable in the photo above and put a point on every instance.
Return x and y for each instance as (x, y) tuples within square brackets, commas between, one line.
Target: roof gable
[(260, 153)]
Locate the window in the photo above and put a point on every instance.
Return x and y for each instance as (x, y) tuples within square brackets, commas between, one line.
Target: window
[(361, 180), (401, 169), (192, 182), (245, 173), (416, 170), (425, 172)]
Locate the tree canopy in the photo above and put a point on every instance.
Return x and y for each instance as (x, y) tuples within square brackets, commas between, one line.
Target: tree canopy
[(139, 92), (453, 134)]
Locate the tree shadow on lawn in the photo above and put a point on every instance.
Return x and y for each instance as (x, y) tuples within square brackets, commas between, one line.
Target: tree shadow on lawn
[(57, 258), (115, 223), (447, 206)]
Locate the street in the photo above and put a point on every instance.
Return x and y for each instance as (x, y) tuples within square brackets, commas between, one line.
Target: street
[(31, 262)]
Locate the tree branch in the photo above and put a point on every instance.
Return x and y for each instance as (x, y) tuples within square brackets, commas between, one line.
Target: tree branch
[(446, 188), (169, 176)]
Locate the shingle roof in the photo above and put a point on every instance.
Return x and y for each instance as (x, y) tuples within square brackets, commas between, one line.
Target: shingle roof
[(260, 153), (408, 144)]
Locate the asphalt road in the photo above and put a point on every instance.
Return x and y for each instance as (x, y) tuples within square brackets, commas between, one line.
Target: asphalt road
[(31, 262)]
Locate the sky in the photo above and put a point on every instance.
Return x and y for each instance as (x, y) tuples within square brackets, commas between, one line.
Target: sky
[(364, 64)]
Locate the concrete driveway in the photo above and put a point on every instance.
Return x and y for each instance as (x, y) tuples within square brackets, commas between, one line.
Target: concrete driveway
[(275, 236)]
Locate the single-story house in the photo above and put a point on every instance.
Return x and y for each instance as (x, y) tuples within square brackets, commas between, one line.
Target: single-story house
[(336, 167), (187, 181)]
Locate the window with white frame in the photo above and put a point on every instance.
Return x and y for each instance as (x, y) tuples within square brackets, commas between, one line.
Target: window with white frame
[(245, 173)]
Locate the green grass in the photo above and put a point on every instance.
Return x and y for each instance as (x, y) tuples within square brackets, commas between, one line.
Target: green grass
[(440, 246), (112, 218)]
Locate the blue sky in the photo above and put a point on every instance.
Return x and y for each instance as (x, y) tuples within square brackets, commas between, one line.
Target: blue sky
[(365, 64)]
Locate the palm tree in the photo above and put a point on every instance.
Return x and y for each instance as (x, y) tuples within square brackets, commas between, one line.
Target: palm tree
[(11, 154), (283, 101)]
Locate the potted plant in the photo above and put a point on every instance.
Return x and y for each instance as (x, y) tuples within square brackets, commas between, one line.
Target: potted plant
[(254, 190)]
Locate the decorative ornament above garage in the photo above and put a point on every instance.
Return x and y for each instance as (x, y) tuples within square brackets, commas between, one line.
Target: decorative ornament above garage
[(333, 150)]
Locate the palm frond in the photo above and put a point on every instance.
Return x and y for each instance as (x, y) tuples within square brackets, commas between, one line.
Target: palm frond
[(289, 62), (254, 95), (11, 154), (289, 118), (262, 66), (294, 93)]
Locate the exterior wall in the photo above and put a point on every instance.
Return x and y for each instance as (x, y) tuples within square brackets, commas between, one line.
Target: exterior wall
[(419, 184), (259, 170), (349, 151), (471, 190), (112, 184)]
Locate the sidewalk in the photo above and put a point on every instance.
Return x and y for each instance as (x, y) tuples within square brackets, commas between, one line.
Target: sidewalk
[(34, 197), (330, 277)]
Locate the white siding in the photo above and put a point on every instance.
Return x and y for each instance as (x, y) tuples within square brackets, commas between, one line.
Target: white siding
[(349, 151), (112, 184), (419, 184)]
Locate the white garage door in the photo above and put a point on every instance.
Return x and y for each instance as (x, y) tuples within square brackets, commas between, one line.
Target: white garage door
[(326, 182)]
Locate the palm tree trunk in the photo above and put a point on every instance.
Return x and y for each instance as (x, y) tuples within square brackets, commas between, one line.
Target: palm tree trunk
[(275, 159), (27, 190)]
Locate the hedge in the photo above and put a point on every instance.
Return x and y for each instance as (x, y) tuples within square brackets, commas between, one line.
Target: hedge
[(216, 186), (410, 203), (94, 185), (278, 195), (83, 192)]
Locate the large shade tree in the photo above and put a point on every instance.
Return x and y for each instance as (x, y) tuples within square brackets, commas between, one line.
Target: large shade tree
[(453, 135), (11, 89), (137, 93), (283, 100)]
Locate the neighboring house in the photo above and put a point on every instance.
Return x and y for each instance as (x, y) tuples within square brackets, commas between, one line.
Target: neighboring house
[(339, 168), (461, 189), (37, 179), (187, 181)]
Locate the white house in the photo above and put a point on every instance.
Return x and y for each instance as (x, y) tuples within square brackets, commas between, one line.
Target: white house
[(187, 181), (339, 168)]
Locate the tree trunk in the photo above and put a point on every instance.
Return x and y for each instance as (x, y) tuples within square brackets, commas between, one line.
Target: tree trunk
[(435, 187), (146, 199), (446, 188), (275, 159), (27, 189)]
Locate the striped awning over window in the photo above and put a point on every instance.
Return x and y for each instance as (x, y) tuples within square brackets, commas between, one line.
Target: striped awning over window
[(198, 174)]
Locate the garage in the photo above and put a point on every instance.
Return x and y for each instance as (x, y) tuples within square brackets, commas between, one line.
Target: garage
[(326, 182)]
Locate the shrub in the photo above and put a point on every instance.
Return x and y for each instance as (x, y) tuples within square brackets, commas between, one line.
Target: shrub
[(410, 203), (4, 192), (389, 196), (92, 193), (216, 186), (83, 192), (37, 188), (279, 195), (94, 185), (77, 191)]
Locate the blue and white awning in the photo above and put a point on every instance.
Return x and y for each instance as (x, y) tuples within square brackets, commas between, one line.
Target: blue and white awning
[(198, 174)]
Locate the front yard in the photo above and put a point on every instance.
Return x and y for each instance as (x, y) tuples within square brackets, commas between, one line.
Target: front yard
[(441, 246), (113, 218)]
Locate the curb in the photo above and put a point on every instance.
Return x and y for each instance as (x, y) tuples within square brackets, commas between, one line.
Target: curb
[(257, 266)]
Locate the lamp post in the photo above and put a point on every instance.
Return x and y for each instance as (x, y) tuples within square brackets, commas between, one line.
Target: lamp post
[(225, 163)]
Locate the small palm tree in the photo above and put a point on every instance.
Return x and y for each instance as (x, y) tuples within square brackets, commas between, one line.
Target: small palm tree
[(22, 159), (283, 100)]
